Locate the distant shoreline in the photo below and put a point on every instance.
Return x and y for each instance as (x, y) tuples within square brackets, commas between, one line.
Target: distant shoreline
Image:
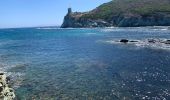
[(58, 27)]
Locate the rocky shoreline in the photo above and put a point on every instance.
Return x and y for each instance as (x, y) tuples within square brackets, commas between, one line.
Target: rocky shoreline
[(74, 20), (6, 93)]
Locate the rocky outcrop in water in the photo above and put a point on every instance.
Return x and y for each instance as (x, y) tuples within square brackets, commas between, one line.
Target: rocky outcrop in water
[(6, 93), (124, 40), (156, 43), (122, 13)]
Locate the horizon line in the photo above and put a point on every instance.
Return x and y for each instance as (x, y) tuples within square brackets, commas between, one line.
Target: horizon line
[(31, 26)]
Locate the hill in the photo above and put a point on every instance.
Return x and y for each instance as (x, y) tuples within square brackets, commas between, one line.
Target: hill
[(122, 13)]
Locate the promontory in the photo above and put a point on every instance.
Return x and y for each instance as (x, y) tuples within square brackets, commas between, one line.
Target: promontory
[(121, 13)]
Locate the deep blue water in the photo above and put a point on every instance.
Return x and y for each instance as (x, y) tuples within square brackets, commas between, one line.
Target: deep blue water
[(77, 64)]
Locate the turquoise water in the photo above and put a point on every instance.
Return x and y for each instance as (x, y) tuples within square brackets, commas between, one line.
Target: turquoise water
[(78, 64)]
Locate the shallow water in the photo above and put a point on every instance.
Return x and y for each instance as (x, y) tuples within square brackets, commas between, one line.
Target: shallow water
[(65, 64)]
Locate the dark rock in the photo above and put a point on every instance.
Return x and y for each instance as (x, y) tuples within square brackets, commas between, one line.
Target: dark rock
[(8, 80), (1, 73), (167, 42), (11, 90), (1, 89), (151, 40), (133, 41), (124, 40)]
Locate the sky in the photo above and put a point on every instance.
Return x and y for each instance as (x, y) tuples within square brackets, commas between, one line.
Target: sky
[(32, 13)]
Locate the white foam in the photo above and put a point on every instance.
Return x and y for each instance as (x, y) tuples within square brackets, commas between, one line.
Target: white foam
[(107, 30), (156, 45), (16, 77), (91, 33), (3, 67), (163, 29), (47, 28), (54, 28)]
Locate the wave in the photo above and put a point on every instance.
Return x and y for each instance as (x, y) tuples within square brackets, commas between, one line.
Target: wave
[(164, 29), (91, 33), (153, 45), (15, 76), (47, 28), (52, 28)]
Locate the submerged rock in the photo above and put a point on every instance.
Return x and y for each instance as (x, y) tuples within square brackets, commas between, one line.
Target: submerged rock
[(167, 42), (6, 93), (133, 41), (159, 41), (152, 41), (124, 40)]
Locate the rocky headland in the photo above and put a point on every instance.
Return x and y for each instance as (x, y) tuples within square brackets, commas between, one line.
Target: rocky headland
[(121, 13), (6, 93)]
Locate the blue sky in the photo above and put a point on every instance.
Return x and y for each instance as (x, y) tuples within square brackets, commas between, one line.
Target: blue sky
[(28, 13)]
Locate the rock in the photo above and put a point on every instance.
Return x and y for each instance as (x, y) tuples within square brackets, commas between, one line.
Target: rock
[(1, 73), (124, 40), (133, 41), (152, 41), (156, 43), (6, 93), (7, 79), (1, 88), (167, 42)]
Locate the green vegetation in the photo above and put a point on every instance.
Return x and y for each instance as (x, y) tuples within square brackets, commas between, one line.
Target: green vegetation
[(139, 7)]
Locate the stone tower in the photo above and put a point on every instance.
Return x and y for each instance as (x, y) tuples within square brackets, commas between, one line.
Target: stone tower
[(69, 11)]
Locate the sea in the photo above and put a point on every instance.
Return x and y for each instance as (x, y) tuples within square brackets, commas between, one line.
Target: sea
[(50, 63)]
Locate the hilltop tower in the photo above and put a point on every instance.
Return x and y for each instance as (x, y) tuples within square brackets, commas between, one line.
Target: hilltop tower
[(69, 11)]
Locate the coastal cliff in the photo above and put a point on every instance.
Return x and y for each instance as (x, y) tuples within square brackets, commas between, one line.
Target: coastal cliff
[(122, 13)]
